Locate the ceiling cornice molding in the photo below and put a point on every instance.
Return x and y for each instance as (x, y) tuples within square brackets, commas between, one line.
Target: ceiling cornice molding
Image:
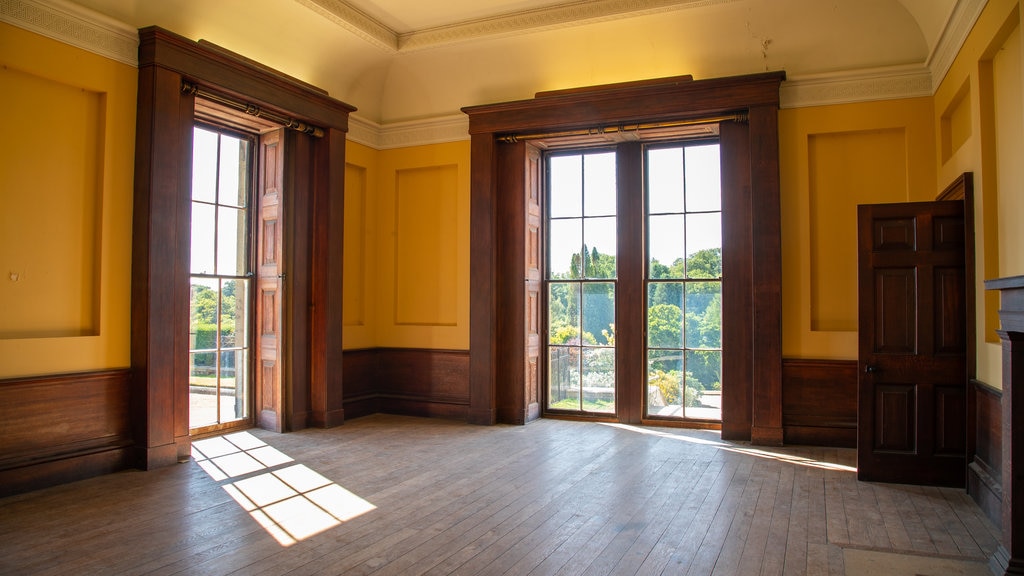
[(439, 130), (961, 21), (857, 86), (345, 15), (559, 16), (72, 24)]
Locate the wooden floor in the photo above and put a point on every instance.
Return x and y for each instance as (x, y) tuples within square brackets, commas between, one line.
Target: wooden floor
[(397, 495)]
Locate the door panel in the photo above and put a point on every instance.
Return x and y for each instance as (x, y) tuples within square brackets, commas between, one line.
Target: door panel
[(269, 274), (912, 411)]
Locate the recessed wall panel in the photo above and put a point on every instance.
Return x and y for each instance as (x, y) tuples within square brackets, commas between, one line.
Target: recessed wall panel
[(846, 169), (354, 298), (425, 246), (50, 207)]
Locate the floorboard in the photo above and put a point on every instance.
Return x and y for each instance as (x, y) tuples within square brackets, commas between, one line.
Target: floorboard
[(389, 495)]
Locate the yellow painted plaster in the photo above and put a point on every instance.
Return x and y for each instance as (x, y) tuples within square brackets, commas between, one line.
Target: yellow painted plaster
[(112, 86), (423, 192), (833, 158), (973, 68)]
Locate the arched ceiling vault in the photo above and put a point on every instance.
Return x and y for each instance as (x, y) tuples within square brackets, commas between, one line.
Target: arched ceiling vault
[(402, 61)]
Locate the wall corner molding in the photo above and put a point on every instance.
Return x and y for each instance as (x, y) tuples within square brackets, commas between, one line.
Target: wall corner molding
[(858, 86), (958, 26), (74, 25)]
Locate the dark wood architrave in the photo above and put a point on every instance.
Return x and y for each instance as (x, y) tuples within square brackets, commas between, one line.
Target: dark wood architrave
[(161, 235), (962, 188), (62, 428), (483, 278), (819, 402), (1009, 557), (766, 258), (298, 282), (630, 295), (327, 400), (511, 400), (649, 101), (738, 372)]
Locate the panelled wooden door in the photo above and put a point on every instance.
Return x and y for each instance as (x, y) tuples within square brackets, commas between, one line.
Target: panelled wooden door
[(912, 392), (269, 276)]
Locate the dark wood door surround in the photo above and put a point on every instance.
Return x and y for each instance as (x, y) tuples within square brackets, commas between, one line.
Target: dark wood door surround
[(1009, 557), (912, 410), (500, 308), (313, 177)]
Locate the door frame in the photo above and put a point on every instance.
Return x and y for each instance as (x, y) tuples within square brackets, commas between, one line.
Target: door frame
[(752, 308), (314, 172)]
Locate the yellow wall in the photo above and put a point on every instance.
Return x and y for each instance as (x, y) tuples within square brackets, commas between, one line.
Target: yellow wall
[(65, 207), (413, 206), (984, 86), (361, 257), (67, 140), (831, 159)]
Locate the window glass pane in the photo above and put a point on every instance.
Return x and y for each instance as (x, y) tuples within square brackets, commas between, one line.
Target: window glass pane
[(233, 166), (566, 186), (231, 241), (234, 309), (664, 180), (232, 372), (703, 384), (703, 179), (665, 315), (219, 299), (704, 315), (202, 238), (599, 240), (230, 316), (599, 184), (704, 245), (565, 239), (599, 379), (564, 313), (666, 246), (598, 314), (204, 165), (564, 377), (202, 379), (664, 383)]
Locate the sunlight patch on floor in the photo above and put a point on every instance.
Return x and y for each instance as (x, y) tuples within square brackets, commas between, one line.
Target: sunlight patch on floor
[(290, 501), (737, 448)]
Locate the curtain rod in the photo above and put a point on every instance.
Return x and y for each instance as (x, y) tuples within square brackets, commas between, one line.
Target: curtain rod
[(513, 138), (251, 109)]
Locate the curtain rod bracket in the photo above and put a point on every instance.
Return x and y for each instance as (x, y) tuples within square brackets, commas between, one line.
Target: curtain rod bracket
[(251, 109)]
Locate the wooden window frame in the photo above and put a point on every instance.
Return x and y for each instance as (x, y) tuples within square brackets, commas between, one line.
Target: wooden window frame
[(500, 368), (314, 174)]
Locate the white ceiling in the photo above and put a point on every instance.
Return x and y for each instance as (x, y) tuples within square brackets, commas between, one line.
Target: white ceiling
[(406, 60)]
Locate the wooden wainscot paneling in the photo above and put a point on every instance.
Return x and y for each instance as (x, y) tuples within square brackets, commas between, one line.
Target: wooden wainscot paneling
[(985, 469), (423, 382), (819, 402), (360, 378), (57, 429)]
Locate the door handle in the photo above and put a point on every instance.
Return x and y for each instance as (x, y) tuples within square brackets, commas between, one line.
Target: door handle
[(870, 369)]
